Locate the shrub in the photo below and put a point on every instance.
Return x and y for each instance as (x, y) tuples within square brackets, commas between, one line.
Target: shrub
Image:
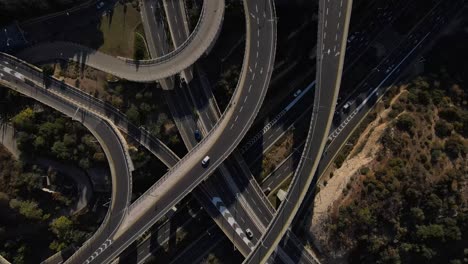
[(443, 129), (454, 146), (405, 122)]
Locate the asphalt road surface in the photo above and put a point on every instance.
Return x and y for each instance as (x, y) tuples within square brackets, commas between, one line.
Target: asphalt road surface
[(333, 31), (188, 173)]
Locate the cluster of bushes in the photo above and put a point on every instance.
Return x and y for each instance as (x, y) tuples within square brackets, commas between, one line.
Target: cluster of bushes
[(32, 225), (47, 133), (411, 206), (143, 107), (403, 218)]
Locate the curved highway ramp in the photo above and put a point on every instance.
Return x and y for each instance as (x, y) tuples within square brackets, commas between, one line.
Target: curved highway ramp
[(151, 70)]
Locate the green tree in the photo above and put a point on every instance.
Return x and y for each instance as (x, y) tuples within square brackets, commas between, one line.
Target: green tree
[(61, 226), (443, 129), (61, 151), (424, 98), (133, 114), (139, 47), (405, 122), (29, 209), (24, 120), (454, 146)]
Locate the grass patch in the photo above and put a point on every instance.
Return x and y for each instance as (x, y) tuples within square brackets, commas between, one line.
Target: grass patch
[(140, 50), (118, 30)]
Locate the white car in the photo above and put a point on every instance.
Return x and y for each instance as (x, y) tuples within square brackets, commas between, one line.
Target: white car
[(249, 233), (205, 161), (298, 92), (346, 106)]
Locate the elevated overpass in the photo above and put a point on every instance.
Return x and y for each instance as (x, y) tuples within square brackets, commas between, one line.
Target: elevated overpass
[(334, 17), (220, 142), (150, 70)]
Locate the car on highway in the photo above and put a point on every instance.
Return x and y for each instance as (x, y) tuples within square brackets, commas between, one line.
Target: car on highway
[(346, 107), (298, 92), (249, 233), (197, 135), (205, 161), (100, 5)]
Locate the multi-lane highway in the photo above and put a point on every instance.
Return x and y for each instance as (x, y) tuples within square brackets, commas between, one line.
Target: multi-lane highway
[(157, 42), (188, 173), (332, 34), (231, 196), (155, 69), (179, 29), (124, 224), (295, 115), (105, 132)]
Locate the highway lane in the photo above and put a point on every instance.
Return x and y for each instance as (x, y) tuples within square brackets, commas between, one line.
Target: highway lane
[(285, 168), (181, 108), (221, 141), (106, 134), (254, 211), (290, 170), (298, 114), (379, 81), (178, 28), (334, 19), (145, 70), (153, 25), (163, 238), (282, 118), (396, 62), (152, 15), (237, 186)]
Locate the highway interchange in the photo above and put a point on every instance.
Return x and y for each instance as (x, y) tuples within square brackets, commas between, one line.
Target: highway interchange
[(256, 72)]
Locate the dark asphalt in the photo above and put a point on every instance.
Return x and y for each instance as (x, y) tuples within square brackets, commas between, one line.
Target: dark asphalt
[(242, 110), (333, 22)]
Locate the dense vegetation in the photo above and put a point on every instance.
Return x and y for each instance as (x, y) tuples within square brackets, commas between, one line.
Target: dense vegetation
[(143, 106), (47, 133), (411, 205), (23, 9), (139, 48), (33, 225)]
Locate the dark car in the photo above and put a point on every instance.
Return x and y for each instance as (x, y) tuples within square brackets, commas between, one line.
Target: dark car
[(197, 135)]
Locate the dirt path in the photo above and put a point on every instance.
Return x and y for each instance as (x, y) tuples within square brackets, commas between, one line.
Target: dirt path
[(364, 152)]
